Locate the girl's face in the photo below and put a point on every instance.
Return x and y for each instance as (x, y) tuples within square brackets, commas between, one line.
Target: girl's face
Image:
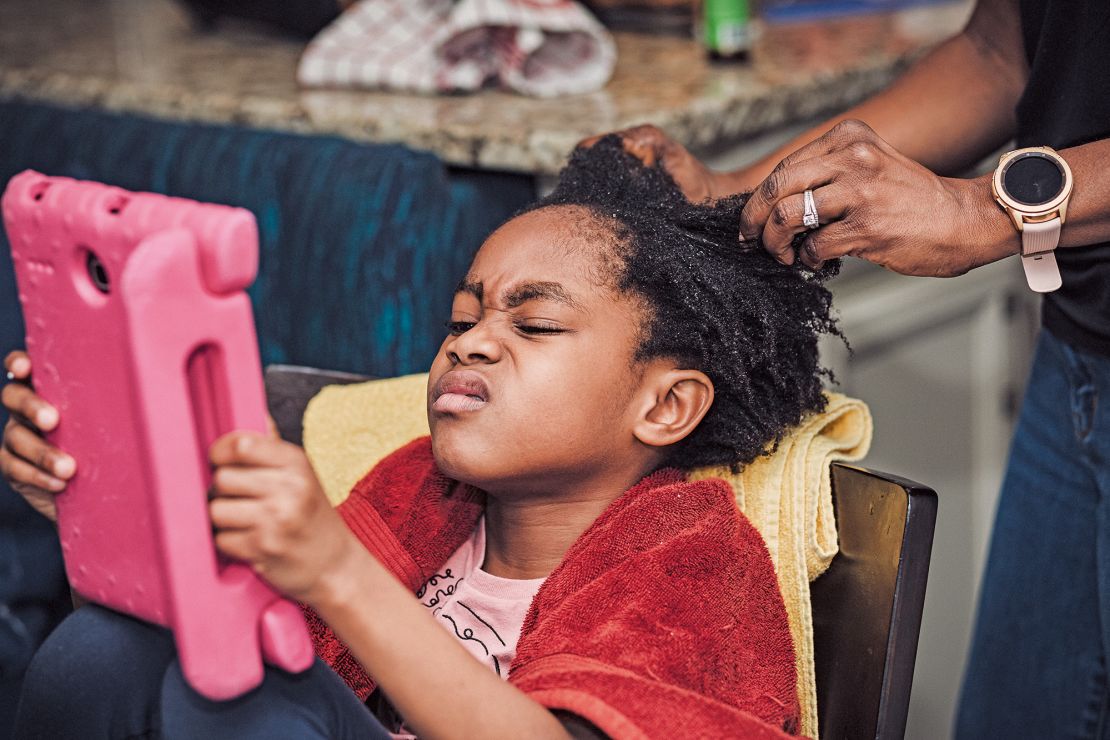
[(531, 389)]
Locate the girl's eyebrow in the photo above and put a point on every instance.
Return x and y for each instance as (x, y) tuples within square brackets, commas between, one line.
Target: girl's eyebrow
[(522, 293), (470, 286), (539, 291)]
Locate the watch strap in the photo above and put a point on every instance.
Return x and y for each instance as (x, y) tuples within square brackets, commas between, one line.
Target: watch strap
[(1038, 242)]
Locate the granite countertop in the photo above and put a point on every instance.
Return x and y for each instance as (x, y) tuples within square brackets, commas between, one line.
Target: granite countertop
[(145, 56)]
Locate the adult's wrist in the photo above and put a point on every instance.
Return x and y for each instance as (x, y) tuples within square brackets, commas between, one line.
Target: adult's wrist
[(989, 234)]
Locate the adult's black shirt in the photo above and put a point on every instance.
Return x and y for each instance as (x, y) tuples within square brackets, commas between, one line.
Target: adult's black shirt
[(1067, 103)]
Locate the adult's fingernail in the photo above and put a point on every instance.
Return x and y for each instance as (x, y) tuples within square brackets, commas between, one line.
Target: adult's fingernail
[(47, 418), (811, 251), (20, 366), (64, 467)]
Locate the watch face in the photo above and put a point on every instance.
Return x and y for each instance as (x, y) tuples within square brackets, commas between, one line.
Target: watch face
[(1033, 178)]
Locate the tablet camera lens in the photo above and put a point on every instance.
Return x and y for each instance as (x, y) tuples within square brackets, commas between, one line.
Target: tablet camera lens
[(97, 273)]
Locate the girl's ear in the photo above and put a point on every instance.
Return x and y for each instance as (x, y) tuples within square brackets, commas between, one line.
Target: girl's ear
[(674, 403)]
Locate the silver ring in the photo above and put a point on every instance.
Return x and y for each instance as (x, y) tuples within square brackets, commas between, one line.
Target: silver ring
[(11, 375), (809, 217)]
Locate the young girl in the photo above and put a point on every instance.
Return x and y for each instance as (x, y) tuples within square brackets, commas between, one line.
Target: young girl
[(601, 342)]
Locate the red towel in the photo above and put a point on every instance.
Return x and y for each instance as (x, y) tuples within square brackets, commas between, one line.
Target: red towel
[(663, 620)]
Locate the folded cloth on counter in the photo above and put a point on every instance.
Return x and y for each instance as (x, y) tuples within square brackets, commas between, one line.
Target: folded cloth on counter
[(786, 495), (543, 48)]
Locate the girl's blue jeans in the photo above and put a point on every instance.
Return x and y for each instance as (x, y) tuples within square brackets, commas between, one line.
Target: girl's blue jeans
[(104, 675), (1038, 661)]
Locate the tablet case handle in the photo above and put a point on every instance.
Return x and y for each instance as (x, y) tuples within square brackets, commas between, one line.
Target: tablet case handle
[(225, 619)]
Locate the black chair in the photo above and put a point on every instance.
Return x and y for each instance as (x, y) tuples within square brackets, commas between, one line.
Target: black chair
[(866, 607)]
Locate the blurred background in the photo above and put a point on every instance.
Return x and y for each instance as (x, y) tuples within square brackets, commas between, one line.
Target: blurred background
[(376, 169)]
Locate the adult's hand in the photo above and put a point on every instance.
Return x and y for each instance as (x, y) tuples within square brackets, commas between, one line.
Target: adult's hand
[(875, 204), (650, 145)]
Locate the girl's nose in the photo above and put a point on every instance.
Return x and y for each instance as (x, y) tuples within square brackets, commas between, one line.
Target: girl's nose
[(476, 345)]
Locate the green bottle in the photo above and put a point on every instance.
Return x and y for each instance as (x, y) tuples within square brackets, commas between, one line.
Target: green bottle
[(727, 29)]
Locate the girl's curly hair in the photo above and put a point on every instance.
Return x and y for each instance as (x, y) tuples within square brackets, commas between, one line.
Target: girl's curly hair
[(713, 303)]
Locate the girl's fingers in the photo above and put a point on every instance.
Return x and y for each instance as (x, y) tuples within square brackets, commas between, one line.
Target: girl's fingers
[(251, 448), (25, 444), (21, 400), (247, 481), (18, 364), (19, 471), (233, 513), (237, 544)]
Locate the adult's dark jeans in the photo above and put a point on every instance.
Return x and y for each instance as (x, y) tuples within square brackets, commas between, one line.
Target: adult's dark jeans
[(104, 675), (1038, 662)]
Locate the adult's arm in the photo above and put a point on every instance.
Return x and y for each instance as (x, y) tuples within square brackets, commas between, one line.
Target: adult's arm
[(873, 176), (951, 108), (877, 204)]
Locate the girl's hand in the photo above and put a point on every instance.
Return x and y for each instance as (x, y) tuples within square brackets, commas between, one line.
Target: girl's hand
[(269, 511), (650, 145), (875, 204), (35, 469)]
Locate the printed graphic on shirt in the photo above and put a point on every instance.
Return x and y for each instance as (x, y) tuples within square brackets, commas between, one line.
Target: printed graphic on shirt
[(444, 584), (466, 623)]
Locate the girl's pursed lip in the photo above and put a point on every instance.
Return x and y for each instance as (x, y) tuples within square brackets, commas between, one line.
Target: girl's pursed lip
[(462, 383), (450, 403)]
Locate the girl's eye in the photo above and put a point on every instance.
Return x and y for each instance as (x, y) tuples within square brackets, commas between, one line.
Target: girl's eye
[(458, 327), (539, 329)]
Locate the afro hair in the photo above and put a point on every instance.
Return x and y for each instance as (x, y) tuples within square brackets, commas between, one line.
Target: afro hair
[(713, 303)]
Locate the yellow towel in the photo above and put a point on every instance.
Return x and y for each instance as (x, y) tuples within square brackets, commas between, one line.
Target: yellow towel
[(348, 429), (787, 495)]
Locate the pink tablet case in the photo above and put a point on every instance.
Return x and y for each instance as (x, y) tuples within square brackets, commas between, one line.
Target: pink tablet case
[(145, 376)]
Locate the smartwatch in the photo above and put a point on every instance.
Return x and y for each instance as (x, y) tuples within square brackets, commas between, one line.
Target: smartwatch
[(1033, 186)]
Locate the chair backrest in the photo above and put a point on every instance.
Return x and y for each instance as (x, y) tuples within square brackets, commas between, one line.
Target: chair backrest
[(289, 388), (867, 606)]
